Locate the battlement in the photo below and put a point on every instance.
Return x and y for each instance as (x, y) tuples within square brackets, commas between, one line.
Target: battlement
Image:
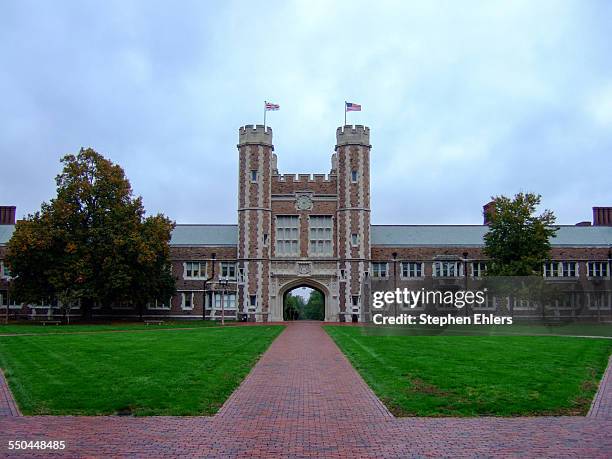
[(305, 178), (353, 135), (255, 134)]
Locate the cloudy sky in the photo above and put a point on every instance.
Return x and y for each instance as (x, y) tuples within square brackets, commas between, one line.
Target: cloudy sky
[(464, 99)]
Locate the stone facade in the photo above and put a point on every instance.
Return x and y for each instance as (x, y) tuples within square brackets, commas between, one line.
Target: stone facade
[(315, 231)]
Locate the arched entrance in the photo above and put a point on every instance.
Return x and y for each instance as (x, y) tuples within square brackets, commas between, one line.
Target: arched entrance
[(291, 285), (304, 303)]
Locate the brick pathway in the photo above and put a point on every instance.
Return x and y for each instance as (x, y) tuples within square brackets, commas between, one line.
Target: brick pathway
[(8, 407), (303, 399), (602, 404)]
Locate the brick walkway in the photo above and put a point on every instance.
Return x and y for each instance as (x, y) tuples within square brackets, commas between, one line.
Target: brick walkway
[(303, 399)]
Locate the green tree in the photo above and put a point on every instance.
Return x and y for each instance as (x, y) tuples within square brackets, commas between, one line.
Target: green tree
[(92, 243), (314, 309), (294, 304), (518, 240)]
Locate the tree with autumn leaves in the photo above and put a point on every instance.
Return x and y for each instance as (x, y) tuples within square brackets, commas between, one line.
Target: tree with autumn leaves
[(92, 243)]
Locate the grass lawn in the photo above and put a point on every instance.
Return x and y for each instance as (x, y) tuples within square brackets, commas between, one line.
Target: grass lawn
[(571, 329), (477, 375), (166, 372), (26, 328)]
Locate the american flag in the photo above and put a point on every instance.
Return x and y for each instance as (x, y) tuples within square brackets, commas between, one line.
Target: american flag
[(271, 106), (350, 107)]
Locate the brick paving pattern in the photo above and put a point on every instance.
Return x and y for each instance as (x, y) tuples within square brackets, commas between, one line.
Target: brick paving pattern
[(8, 406), (602, 403), (303, 399)]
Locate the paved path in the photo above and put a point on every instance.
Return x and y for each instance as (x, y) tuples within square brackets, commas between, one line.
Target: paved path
[(303, 399)]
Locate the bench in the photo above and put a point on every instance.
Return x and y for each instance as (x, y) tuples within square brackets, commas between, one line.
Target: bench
[(46, 321), (153, 322)]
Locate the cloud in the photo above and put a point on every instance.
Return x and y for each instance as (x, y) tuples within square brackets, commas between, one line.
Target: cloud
[(463, 103)]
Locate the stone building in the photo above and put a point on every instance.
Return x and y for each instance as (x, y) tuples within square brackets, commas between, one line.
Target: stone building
[(315, 231)]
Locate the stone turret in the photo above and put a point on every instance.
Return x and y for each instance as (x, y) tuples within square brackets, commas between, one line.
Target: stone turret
[(256, 164), (255, 135), (353, 218), (353, 135)]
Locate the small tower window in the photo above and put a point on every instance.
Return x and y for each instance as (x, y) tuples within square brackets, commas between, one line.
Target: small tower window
[(265, 239), (354, 239), (354, 176), (253, 176)]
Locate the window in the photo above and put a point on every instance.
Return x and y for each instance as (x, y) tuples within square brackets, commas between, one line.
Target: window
[(287, 235), (229, 300), (412, 269), (160, 304), (355, 303), (241, 277), (354, 176), (598, 269), (187, 300), (320, 235), (569, 269), (253, 176), (479, 268), (4, 301), (265, 239), (343, 274), (228, 270), (253, 299), (4, 270), (379, 269), (560, 269), (354, 239), (599, 300), (195, 270), (447, 269)]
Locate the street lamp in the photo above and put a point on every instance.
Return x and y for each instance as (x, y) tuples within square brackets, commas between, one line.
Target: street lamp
[(208, 279), (465, 275), (394, 254), (223, 283)]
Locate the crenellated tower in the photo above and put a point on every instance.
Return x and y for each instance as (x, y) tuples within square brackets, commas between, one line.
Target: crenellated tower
[(353, 218), (256, 164)]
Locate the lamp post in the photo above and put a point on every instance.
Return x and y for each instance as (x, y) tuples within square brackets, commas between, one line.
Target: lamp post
[(465, 276), (223, 283), (208, 279), (394, 254)]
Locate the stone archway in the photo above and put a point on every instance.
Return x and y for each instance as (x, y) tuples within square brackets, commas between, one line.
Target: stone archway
[(305, 282), (306, 310)]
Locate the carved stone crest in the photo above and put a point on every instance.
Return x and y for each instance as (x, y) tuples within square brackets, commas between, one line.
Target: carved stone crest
[(303, 202), (303, 268)]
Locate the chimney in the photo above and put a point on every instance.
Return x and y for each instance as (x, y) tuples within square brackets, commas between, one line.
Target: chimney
[(7, 215), (602, 216), (488, 210)]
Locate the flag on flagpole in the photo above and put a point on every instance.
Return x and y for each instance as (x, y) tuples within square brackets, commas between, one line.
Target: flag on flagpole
[(351, 107), (272, 107)]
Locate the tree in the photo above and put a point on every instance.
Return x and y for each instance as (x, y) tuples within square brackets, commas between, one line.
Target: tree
[(293, 307), (518, 241), (314, 309), (92, 244)]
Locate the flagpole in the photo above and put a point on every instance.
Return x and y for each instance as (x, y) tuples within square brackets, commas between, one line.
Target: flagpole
[(265, 102), (344, 113)]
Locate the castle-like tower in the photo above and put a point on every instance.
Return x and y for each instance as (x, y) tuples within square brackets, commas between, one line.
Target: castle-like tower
[(303, 230), (353, 215), (254, 220)]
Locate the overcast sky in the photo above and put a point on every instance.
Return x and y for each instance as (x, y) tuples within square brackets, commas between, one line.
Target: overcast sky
[(464, 99)]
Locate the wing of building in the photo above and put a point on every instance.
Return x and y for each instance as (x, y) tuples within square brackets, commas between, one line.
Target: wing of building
[(315, 231)]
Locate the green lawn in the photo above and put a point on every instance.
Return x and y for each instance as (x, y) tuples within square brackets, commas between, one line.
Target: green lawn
[(165, 372), (26, 328), (477, 375)]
